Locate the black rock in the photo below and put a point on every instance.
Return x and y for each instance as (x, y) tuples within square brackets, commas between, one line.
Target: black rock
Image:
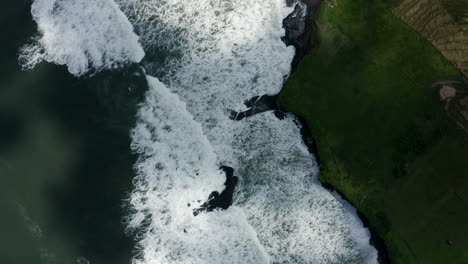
[(257, 104), (300, 28), (223, 200)]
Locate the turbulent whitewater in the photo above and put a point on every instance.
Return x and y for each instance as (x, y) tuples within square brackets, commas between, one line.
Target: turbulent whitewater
[(209, 56), (82, 34)]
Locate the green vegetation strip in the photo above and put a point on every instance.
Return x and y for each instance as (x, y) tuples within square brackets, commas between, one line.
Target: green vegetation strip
[(458, 9), (383, 136)]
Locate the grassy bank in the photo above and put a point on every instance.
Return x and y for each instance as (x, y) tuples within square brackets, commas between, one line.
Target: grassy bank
[(383, 137)]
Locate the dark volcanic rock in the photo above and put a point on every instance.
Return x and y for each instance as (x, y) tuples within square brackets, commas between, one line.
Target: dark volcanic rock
[(223, 200), (257, 104), (300, 31), (308, 139), (295, 25), (300, 27)]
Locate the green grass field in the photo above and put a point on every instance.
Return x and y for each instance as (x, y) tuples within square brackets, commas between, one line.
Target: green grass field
[(383, 138)]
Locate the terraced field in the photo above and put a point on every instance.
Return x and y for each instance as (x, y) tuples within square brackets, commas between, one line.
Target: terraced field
[(458, 9), (444, 23)]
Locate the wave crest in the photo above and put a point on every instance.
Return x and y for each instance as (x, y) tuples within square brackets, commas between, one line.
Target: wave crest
[(87, 36)]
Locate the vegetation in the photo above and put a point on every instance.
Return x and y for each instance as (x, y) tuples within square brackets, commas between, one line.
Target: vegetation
[(384, 139), (458, 9), (443, 22)]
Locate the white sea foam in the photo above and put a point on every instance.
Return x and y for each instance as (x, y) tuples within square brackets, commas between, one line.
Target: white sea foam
[(360, 234), (212, 55), (177, 170), (218, 54), (87, 36), (223, 51), (296, 219)]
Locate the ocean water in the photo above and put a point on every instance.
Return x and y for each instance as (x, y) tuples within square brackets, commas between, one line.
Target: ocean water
[(65, 160), (203, 59)]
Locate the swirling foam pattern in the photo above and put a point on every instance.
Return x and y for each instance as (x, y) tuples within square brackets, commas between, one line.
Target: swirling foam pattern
[(85, 35), (215, 54), (211, 55), (176, 172)]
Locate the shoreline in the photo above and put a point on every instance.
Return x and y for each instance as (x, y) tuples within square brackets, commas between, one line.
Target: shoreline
[(303, 38), (304, 43), (301, 30)]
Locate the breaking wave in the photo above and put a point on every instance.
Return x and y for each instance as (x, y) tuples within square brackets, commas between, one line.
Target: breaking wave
[(177, 170), (215, 55), (209, 56), (87, 36)]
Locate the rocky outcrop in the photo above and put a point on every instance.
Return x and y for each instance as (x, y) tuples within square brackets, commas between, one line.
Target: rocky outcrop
[(300, 28), (223, 200), (256, 104)]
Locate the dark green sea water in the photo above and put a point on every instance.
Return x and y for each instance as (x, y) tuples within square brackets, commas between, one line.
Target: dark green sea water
[(65, 161)]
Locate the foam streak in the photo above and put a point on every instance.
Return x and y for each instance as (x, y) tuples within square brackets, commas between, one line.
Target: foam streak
[(216, 55)]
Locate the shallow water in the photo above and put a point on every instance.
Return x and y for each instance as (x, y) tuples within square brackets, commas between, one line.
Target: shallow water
[(209, 56)]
